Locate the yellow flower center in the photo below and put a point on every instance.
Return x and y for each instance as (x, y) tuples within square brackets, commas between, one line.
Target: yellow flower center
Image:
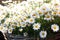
[(56, 8), (36, 26), (44, 9), (31, 20), (48, 16), (1, 28), (56, 4), (59, 12), (42, 33), (54, 27), (46, 13), (23, 24), (14, 26), (54, 13), (40, 12), (25, 19), (34, 15), (10, 30)]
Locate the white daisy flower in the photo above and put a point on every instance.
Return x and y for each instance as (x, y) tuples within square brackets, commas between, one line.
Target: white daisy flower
[(31, 20), (45, 8), (24, 19), (55, 1), (21, 30), (39, 12), (18, 24), (58, 14), (4, 29), (55, 4), (10, 30), (23, 24), (34, 14), (55, 27), (36, 26), (43, 34), (1, 28), (47, 17), (54, 13), (25, 34)]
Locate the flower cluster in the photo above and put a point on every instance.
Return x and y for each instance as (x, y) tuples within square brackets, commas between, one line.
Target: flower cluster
[(30, 17)]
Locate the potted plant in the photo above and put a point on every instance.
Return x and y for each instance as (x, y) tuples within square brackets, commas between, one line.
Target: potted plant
[(32, 19)]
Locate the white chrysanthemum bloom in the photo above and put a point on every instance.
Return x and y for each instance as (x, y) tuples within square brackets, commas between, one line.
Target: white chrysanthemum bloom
[(31, 20), (54, 13), (21, 8), (35, 3), (25, 34), (56, 7), (36, 26), (39, 12), (21, 30), (55, 1), (1, 28), (55, 27), (43, 34), (10, 30), (34, 14), (58, 13), (2, 14), (16, 19), (11, 27), (45, 7), (5, 29), (47, 17), (52, 18), (55, 4), (7, 20), (23, 24), (18, 24), (24, 19)]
